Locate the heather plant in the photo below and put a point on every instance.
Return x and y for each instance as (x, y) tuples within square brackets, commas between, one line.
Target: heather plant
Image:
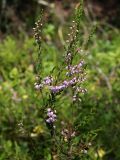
[(64, 85), (23, 129), (72, 111)]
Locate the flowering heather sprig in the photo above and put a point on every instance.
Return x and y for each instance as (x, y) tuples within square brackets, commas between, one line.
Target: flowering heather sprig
[(72, 34), (51, 116), (38, 38), (75, 69), (37, 31), (38, 86), (45, 82), (78, 78), (68, 58), (77, 91), (65, 84)]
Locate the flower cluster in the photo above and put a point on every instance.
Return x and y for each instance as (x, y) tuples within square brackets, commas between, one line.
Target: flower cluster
[(75, 76), (65, 84), (51, 116), (45, 82), (37, 31), (77, 91), (72, 34), (38, 86), (78, 74), (75, 69), (68, 58)]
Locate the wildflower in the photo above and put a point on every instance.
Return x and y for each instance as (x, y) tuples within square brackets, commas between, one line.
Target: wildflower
[(37, 30), (56, 89), (74, 97), (75, 69), (47, 80), (51, 116), (68, 58), (64, 84), (38, 86)]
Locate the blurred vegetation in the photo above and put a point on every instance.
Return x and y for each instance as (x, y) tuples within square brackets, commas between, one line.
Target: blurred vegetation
[(23, 133)]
